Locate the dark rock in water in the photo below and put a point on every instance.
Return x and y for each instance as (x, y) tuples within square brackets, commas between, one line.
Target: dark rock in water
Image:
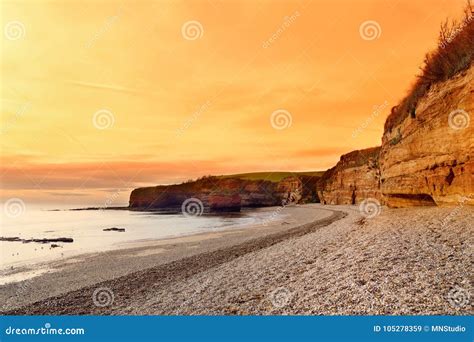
[(15, 238), (61, 239), (114, 229), (53, 245)]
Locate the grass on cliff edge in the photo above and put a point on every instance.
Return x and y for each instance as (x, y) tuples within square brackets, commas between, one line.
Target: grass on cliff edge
[(272, 176), (455, 53)]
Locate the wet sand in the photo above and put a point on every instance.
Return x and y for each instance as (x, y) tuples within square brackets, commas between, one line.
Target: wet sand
[(403, 261), (60, 277)]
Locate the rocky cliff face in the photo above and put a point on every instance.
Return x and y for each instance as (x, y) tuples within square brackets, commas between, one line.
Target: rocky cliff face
[(428, 158), (219, 194), (354, 178), (310, 189)]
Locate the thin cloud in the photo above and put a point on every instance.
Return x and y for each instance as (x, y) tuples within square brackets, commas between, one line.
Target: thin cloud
[(67, 194), (103, 86)]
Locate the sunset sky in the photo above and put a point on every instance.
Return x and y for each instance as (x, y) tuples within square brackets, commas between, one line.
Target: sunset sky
[(99, 97)]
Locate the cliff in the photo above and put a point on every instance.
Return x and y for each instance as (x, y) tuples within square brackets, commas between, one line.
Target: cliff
[(219, 194), (354, 178), (427, 152), (427, 157), (309, 189)]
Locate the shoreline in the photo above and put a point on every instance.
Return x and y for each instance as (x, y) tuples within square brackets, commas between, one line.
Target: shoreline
[(138, 226), (141, 254), (401, 262)]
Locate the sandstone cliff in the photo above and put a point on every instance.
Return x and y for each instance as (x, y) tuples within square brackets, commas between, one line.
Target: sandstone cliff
[(427, 158), (427, 151), (354, 178), (219, 194)]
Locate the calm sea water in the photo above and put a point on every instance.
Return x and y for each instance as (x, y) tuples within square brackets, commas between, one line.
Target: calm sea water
[(86, 228)]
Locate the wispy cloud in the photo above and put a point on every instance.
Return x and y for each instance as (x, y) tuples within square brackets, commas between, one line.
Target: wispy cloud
[(104, 86)]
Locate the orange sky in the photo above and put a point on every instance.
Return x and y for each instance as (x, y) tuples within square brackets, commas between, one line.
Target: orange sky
[(179, 107)]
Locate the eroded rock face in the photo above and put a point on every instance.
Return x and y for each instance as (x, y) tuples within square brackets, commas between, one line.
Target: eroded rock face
[(310, 189), (219, 194), (428, 158), (355, 177)]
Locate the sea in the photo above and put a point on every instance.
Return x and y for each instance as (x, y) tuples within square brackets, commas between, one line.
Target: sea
[(86, 228)]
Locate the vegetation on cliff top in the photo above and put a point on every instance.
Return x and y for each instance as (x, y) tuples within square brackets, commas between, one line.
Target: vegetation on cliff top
[(209, 181), (455, 53), (272, 176)]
